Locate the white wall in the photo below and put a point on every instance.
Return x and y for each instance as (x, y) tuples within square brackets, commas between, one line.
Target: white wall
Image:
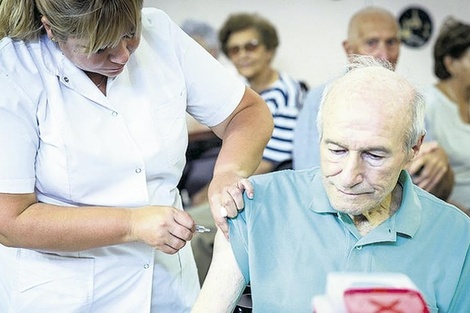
[(311, 31)]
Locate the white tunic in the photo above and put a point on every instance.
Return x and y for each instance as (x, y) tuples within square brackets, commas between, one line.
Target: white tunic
[(72, 145)]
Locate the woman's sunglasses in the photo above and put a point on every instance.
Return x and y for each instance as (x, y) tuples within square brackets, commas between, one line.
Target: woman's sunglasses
[(250, 46)]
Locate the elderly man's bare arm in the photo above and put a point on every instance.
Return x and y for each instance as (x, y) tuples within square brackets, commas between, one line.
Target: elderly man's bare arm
[(224, 283)]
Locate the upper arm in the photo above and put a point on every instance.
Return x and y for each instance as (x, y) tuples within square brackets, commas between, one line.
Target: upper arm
[(251, 109), (224, 282)]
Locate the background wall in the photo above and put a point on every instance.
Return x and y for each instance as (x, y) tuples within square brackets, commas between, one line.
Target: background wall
[(311, 31)]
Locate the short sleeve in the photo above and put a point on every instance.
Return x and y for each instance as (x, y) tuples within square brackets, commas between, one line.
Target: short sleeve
[(18, 138), (239, 240), (213, 91)]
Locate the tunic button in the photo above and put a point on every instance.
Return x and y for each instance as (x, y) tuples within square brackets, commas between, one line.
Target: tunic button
[(114, 113), (146, 266), (66, 79), (138, 170)]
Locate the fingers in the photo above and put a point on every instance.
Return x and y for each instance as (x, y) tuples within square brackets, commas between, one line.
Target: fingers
[(430, 182), (174, 240), (168, 243), (184, 219), (226, 198), (245, 184), (169, 249), (183, 228), (429, 176), (234, 202), (164, 228), (428, 146)]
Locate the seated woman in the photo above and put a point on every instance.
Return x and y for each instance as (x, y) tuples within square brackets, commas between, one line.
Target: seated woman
[(250, 42), (448, 104)]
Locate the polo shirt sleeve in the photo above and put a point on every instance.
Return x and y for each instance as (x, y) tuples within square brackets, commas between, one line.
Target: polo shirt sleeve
[(19, 139), (461, 300), (238, 233)]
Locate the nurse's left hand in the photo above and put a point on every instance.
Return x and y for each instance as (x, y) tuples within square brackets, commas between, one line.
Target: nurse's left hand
[(226, 197)]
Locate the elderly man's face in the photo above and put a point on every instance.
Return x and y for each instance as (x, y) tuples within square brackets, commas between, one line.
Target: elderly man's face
[(362, 148), (375, 35)]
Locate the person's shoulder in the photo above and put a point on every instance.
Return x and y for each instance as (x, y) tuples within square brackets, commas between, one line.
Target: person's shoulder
[(5, 42), (275, 191), (283, 76), (442, 212), (284, 83), (314, 95), (153, 17), (18, 59), (432, 96), (6, 50), (153, 12), (9, 47), (428, 90), (283, 180)]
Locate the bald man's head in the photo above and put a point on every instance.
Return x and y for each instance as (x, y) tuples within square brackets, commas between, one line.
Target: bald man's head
[(371, 85), (373, 31)]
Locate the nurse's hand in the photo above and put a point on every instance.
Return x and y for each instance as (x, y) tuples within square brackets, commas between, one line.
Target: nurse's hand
[(164, 228), (226, 197)]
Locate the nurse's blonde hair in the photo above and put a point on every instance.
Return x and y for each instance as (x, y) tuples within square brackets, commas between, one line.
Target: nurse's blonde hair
[(101, 23)]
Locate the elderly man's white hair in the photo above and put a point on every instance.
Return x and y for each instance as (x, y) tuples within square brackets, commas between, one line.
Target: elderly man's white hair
[(417, 104)]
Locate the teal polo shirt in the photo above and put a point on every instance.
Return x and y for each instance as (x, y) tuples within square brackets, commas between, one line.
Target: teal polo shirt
[(288, 238)]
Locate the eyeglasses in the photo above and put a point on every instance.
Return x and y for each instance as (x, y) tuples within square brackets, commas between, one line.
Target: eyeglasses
[(250, 46)]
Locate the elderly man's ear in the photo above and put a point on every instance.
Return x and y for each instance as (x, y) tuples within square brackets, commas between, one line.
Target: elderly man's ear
[(417, 146)]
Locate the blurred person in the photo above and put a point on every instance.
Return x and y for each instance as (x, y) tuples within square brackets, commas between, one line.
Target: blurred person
[(372, 31), (204, 34), (448, 104), (94, 97), (359, 212), (250, 42)]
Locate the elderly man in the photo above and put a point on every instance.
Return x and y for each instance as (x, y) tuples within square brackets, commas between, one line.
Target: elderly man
[(358, 212), (372, 31)]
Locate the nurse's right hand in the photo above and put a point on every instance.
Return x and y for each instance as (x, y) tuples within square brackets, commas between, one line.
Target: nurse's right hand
[(164, 228)]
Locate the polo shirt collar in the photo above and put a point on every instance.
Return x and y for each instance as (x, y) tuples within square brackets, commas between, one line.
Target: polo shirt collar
[(405, 221)]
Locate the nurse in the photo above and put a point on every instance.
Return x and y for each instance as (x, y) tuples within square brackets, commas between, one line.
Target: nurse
[(92, 140)]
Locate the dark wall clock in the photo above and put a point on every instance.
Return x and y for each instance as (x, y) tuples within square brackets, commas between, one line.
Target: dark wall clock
[(416, 26)]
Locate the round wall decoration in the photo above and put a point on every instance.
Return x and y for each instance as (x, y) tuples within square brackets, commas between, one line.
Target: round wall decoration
[(416, 27)]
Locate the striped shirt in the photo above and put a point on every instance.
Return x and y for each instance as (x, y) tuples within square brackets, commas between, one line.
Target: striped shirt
[(284, 99)]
